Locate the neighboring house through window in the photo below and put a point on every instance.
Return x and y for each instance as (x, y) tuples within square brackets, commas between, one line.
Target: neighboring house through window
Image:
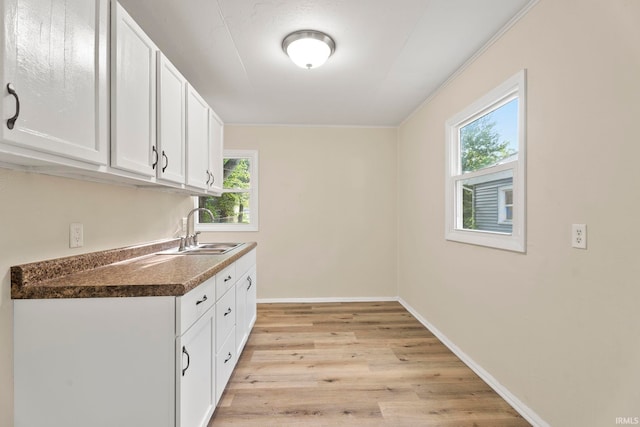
[(237, 208), (505, 204), (485, 188)]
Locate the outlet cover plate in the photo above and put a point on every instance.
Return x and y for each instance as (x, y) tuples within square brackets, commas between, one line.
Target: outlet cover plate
[(579, 236), (76, 238)]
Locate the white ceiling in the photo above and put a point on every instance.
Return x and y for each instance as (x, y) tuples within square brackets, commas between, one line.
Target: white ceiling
[(390, 54)]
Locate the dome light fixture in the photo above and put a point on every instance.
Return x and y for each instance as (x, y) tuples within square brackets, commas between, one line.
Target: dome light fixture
[(308, 48)]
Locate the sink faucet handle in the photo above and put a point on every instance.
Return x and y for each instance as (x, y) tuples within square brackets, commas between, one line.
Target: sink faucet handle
[(195, 238)]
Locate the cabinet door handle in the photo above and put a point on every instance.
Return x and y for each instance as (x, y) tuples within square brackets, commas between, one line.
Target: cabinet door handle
[(250, 282), (227, 278), (12, 91), (184, 351), (204, 298), (208, 177), (213, 178), (229, 356), (164, 156), (155, 162), (226, 313)]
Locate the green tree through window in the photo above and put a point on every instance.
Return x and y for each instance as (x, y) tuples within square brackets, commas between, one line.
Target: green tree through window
[(233, 205)]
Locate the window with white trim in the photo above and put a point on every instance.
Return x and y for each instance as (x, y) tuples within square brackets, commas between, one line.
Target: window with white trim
[(236, 209), (485, 169)]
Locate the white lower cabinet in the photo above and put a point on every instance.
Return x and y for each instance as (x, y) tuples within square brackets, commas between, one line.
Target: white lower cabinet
[(226, 360), (246, 298), (99, 362), (225, 338), (158, 361), (196, 375), (245, 307)]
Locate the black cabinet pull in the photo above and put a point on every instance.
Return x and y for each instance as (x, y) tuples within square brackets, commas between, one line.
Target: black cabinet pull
[(208, 177), (155, 162), (184, 351), (250, 282), (227, 278), (229, 356), (164, 156), (227, 312), (204, 298), (12, 91)]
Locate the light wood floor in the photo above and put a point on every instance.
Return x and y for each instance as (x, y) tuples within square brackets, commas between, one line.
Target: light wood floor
[(353, 364)]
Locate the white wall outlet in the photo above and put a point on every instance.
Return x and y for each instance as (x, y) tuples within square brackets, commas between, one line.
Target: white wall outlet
[(579, 236), (184, 224), (76, 238)]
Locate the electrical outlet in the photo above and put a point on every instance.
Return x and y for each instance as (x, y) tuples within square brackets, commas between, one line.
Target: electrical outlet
[(579, 236), (184, 225), (76, 239)]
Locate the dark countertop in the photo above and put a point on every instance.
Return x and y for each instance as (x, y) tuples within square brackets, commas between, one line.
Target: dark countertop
[(125, 272)]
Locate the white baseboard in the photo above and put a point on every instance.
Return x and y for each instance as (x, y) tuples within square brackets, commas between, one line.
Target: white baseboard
[(321, 300), (526, 412)]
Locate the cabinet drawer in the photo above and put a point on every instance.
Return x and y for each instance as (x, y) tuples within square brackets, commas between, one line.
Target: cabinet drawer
[(194, 303), (245, 263), (225, 279), (225, 362), (225, 317)]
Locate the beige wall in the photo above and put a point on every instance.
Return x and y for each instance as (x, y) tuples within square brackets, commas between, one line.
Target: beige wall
[(327, 210), (35, 213), (556, 326)]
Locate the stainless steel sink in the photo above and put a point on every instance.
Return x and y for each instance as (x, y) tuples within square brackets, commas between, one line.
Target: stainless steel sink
[(203, 249)]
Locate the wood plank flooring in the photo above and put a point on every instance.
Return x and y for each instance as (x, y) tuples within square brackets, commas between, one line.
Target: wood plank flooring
[(353, 364)]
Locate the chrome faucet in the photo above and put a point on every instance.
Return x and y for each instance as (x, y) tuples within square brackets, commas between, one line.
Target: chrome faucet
[(192, 239)]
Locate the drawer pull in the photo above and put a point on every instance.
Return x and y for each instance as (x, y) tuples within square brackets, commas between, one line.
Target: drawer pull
[(250, 282), (227, 278), (166, 165), (184, 351), (229, 356), (204, 298), (227, 312), (12, 91), (155, 162)]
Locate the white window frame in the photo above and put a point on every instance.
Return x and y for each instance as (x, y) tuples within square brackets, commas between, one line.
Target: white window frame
[(502, 204), (252, 155), (514, 87)]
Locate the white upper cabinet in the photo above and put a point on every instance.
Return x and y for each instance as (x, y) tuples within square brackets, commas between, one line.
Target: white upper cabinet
[(197, 140), (84, 88), (133, 96), (216, 137), (172, 88), (54, 82)]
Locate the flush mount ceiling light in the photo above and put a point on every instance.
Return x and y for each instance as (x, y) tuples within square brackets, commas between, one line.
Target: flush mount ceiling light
[(308, 48)]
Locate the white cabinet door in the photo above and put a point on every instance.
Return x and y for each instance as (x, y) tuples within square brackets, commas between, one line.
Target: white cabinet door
[(133, 96), (216, 138), (197, 140), (55, 61), (172, 88), (241, 313), (252, 299), (195, 374), (226, 360), (245, 308)]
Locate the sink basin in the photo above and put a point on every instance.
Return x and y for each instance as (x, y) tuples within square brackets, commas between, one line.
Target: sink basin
[(204, 249)]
